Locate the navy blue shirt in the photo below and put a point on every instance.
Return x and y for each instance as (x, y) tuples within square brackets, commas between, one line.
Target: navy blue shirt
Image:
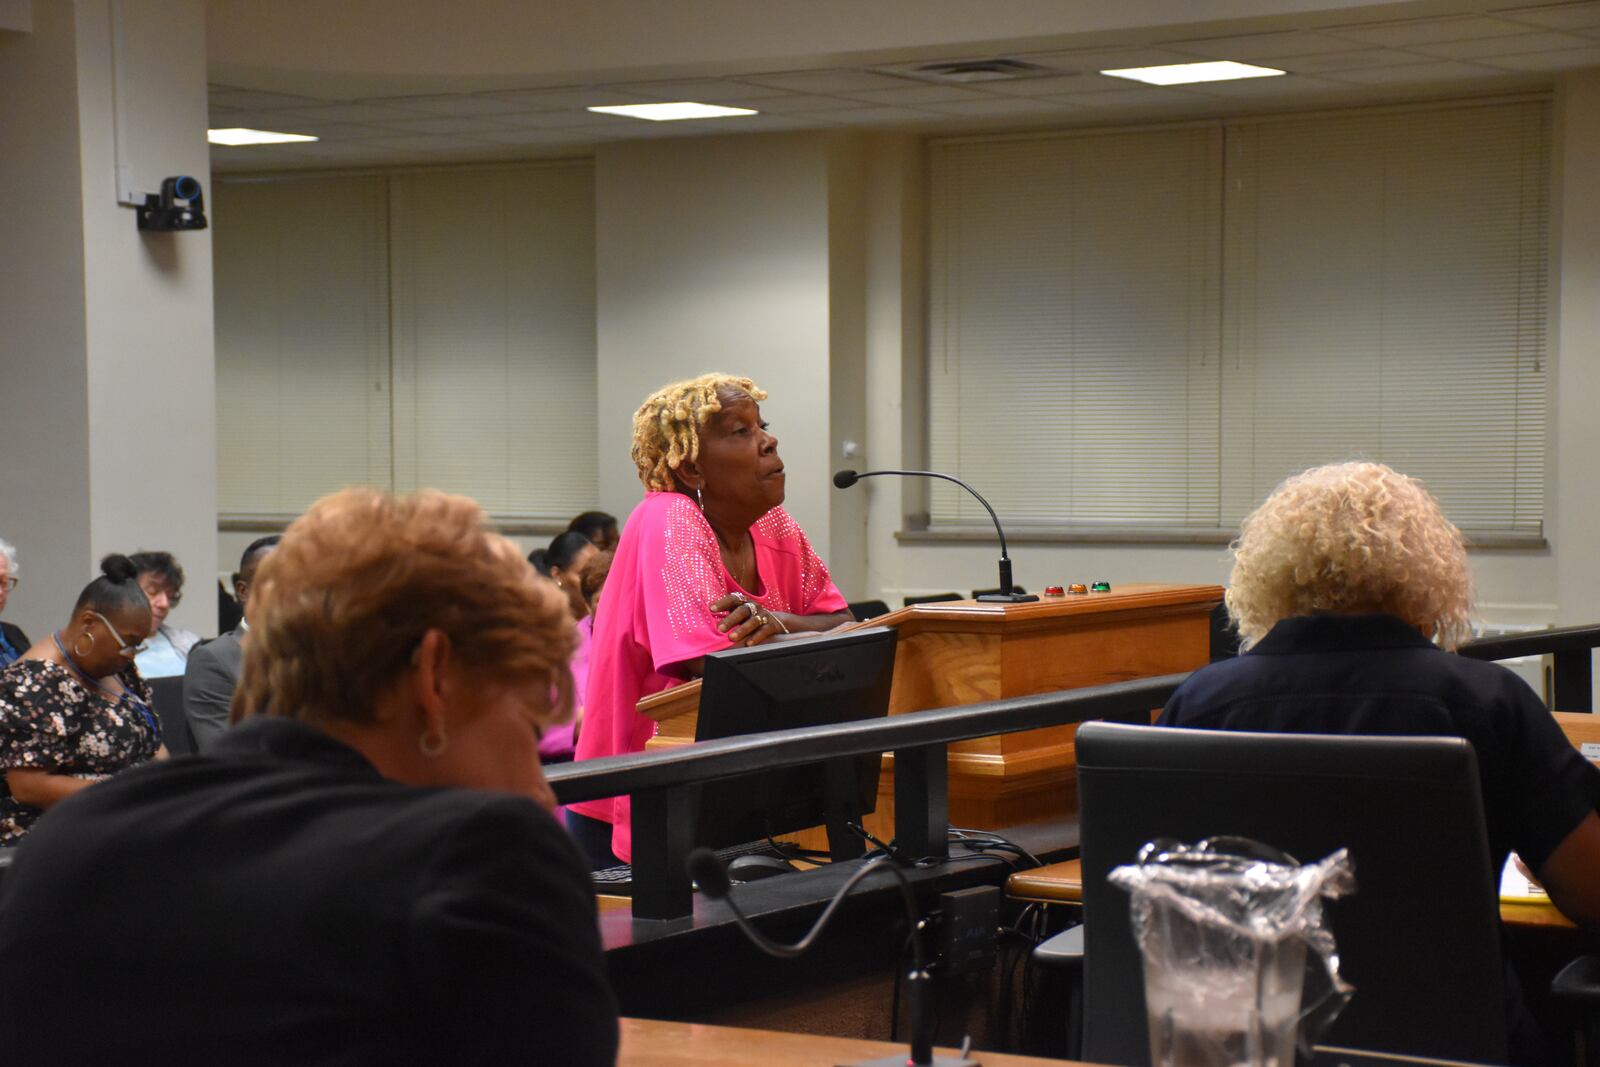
[(1374, 674)]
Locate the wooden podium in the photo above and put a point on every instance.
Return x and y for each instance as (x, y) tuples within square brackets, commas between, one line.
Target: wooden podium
[(963, 652)]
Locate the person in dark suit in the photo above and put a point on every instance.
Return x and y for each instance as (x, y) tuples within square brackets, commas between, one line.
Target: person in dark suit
[(212, 672), (364, 870)]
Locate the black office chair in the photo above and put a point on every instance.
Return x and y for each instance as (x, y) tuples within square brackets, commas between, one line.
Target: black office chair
[(175, 732), (1419, 939), (933, 598), (867, 609)]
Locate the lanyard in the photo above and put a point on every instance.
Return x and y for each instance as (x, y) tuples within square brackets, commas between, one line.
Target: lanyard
[(126, 696)]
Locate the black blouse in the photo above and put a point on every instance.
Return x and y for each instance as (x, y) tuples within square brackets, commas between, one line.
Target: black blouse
[(52, 720)]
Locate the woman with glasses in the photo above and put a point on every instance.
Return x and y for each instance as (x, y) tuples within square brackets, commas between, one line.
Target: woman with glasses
[(13, 642), (73, 709)]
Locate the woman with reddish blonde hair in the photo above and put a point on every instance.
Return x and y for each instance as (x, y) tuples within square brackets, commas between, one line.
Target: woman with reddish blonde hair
[(364, 869)]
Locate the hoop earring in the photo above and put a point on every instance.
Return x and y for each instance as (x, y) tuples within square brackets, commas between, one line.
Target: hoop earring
[(80, 653), (429, 746), (698, 499)]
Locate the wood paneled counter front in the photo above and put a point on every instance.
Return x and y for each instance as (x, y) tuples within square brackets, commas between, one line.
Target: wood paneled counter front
[(963, 652)]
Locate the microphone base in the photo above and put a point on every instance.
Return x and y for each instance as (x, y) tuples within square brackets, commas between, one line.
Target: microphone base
[(1007, 598), (903, 1059)]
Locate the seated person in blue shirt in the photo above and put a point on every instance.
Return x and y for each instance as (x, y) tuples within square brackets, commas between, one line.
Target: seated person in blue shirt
[(166, 653), (13, 642), (1349, 585)]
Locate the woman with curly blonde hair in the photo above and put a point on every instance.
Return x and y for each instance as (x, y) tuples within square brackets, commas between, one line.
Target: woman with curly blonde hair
[(709, 560), (365, 866), (1347, 581)]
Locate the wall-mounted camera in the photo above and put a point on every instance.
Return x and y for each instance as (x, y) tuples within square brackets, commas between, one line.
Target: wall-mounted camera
[(179, 206)]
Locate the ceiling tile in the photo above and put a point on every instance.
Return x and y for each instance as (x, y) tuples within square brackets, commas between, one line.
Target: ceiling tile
[(1054, 86), (825, 81), (258, 101), (351, 113), (1363, 59), (872, 116), (700, 90), (789, 102), (1088, 62), (447, 124), (332, 131), (1293, 85), (1428, 31), (423, 144), (580, 96), (1126, 97), (551, 120), (452, 105), (530, 135), (915, 94), (1566, 59), (1412, 74), (1559, 16), (1262, 45), (1515, 45), (1007, 106)]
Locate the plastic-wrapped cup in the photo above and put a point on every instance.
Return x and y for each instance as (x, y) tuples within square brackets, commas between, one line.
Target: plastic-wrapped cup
[(1213, 1005), (1223, 933)]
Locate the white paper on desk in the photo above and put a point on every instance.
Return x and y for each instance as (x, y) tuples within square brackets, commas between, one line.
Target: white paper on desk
[(1515, 887)]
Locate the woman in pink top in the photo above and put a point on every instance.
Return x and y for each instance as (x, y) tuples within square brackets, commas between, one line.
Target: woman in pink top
[(709, 560)]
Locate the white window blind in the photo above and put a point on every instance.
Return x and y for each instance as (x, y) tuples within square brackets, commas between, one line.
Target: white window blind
[(1074, 331), (1386, 299), (1152, 328), (302, 329), (471, 292), (494, 337)]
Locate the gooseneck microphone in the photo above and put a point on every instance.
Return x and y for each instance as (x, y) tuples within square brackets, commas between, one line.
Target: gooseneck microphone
[(1007, 593), (708, 870)]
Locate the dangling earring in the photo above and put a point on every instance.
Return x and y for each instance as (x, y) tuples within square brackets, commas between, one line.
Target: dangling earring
[(430, 745), (699, 499), (82, 652)]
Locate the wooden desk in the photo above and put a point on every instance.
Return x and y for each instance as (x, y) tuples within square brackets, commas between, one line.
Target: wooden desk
[(651, 1043), (964, 652)]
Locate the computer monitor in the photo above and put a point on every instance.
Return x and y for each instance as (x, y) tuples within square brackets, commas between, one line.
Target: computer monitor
[(783, 685)]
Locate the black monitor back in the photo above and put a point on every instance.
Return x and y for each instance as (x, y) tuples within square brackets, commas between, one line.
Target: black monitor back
[(1419, 939), (784, 685)]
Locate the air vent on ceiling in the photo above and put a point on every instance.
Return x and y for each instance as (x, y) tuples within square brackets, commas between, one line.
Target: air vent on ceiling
[(975, 70)]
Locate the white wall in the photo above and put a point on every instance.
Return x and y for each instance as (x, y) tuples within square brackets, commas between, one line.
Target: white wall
[(109, 425), (712, 255)]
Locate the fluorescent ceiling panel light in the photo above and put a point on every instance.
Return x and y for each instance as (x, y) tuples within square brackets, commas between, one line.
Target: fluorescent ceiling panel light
[(673, 112), (238, 135), (1186, 73)]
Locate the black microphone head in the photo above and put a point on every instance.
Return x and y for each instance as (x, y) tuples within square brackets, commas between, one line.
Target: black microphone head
[(845, 479), (707, 868)]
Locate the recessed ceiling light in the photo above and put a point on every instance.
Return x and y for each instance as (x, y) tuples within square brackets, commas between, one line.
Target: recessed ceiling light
[(1184, 73), (673, 112), (238, 135)]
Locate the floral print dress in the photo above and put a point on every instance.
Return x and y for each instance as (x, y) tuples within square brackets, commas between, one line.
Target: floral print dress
[(52, 720)]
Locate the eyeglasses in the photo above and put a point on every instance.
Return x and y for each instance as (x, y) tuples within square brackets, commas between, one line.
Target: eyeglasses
[(9, 583), (124, 649)]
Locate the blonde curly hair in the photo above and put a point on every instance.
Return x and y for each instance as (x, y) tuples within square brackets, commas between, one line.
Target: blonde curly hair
[(1351, 538), (666, 428), (338, 608)]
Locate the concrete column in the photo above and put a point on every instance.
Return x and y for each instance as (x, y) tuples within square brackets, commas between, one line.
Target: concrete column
[(107, 393)]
